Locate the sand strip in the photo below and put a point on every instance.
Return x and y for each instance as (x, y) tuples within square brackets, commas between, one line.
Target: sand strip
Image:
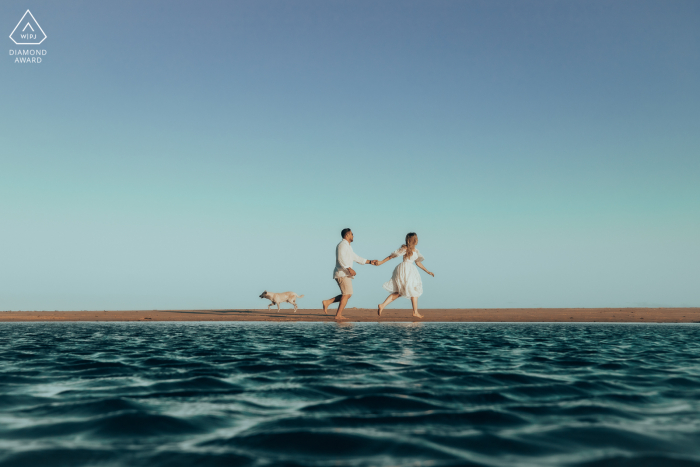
[(561, 315)]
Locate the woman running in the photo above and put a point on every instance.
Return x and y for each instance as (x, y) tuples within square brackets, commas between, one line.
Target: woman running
[(405, 281)]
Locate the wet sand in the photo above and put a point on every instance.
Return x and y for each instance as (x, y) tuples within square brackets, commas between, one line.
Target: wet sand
[(532, 315)]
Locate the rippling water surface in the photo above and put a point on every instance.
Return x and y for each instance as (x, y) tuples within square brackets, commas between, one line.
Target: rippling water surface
[(205, 394)]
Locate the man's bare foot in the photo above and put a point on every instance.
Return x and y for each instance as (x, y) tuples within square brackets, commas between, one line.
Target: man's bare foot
[(379, 310), (325, 307), (416, 315), (340, 317)]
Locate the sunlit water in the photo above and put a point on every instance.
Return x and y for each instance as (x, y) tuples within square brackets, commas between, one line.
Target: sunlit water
[(205, 394)]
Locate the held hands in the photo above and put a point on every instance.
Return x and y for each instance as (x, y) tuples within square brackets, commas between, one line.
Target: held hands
[(374, 262)]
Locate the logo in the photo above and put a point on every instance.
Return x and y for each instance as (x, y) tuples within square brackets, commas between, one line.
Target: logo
[(28, 31)]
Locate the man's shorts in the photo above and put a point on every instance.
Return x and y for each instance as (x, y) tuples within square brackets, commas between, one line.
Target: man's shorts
[(345, 284)]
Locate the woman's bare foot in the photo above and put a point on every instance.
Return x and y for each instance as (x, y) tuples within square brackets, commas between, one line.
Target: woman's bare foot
[(325, 307), (379, 310), (340, 317), (416, 315)]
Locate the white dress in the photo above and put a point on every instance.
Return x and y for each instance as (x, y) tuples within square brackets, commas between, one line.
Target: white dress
[(406, 280)]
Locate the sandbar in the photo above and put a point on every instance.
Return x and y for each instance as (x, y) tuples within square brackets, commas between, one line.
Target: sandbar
[(521, 315)]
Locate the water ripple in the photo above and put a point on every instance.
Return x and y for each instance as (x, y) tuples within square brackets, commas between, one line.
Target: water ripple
[(264, 394)]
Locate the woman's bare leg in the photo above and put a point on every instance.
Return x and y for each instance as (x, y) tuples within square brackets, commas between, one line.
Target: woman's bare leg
[(414, 301), (388, 300)]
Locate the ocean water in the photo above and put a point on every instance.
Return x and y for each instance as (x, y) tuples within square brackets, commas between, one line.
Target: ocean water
[(319, 394)]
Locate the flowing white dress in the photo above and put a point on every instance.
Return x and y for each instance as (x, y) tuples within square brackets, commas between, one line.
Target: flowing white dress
[(406, 280)]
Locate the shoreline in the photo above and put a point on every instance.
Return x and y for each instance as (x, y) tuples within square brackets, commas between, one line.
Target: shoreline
[(464, 315)]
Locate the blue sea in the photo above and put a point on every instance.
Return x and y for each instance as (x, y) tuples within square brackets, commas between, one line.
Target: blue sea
[(368, 394)]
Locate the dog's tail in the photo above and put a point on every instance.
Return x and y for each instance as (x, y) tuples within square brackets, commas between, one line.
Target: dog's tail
[(300, 296)]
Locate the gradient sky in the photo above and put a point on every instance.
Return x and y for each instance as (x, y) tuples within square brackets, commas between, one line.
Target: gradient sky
[(172, 154)]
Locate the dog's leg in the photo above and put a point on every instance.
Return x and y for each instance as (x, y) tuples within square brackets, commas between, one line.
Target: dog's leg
[(278, 307), (268, 306)]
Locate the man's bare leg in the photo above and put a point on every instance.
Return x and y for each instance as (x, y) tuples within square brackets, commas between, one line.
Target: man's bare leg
[(388, 300), (343, 301), (414, 302), (329, 302)]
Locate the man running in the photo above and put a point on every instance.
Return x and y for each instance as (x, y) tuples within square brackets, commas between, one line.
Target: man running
[(343, 273)]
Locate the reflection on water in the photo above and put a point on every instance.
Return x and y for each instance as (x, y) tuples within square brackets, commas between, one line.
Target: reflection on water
[(206, 394)]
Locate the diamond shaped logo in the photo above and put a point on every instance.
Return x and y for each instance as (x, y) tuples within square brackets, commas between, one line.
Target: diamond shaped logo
[(28, 31)]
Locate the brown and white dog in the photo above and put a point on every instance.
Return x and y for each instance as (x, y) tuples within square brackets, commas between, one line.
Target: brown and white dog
[(277, 298)]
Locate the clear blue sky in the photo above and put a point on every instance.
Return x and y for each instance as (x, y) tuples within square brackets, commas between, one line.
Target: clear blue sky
[(171, 154)]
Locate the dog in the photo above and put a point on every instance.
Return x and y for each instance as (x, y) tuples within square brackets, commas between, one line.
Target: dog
[(277, 298)]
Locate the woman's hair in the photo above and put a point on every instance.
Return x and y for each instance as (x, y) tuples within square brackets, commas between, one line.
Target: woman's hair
[(411, 242)]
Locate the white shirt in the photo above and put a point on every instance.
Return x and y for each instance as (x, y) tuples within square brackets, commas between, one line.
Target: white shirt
[(344, 256)]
